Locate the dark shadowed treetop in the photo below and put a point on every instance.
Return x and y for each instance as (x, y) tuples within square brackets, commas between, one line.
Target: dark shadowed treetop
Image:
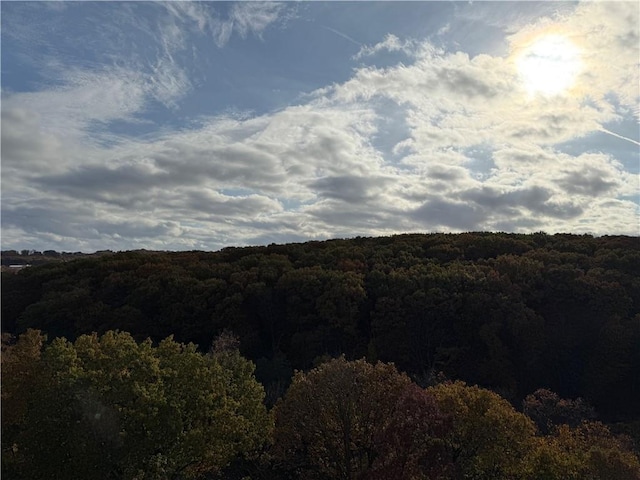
[(512, 312), (328, 421)]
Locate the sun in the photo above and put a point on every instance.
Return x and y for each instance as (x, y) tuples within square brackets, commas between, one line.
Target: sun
[(549, 66)]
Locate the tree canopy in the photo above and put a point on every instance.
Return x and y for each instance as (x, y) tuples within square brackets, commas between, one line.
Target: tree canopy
[(489, 439), (551, 320), (110, 407), (327, 421), (509, 312)]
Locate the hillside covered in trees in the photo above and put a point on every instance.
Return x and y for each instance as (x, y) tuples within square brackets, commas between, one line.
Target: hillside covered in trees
[(510, 313)]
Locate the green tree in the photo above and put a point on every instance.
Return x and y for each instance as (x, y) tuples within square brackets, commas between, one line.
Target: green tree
[(587, 452), (548, 410), (20, 375), (109, 407), (489, 439)]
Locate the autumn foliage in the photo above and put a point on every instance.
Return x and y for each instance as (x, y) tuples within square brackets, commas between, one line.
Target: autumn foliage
[(538, 333), (327, 423), (109, 407)]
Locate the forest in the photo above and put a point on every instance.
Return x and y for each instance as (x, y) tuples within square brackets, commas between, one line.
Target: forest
[(453, 356)]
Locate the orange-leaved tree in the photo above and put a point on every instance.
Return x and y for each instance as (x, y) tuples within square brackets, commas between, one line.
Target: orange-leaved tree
[(327, 422)]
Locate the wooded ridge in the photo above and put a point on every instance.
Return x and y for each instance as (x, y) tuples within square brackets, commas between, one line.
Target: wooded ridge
[(508, 312)]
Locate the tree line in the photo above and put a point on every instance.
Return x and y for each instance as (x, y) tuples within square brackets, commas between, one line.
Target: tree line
[(510, 312)]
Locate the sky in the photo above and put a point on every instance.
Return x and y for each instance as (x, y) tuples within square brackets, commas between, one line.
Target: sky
[(202, 125)]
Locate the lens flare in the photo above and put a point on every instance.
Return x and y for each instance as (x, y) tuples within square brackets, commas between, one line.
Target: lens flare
[(549, 66)]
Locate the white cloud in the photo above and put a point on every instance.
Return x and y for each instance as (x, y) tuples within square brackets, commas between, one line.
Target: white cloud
[(608, 34), (168, 82), (244, 18), (254, 17), (391, 43), (473, 151), (84, 98), (26, 148)]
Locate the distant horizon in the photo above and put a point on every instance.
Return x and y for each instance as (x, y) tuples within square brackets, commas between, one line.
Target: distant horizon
[(184, 126), (69, 252)]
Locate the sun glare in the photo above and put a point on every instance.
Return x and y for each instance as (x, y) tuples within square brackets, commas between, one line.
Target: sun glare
[(549, 66)]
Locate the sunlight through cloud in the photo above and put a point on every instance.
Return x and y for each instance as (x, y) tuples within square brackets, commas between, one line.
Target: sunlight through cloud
[(550, 65)]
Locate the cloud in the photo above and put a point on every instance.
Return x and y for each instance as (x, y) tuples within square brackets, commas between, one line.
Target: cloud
[(608, 34), (437, 214), (590, 182), (195, 12), (391, 43), (445, 141), (215, 205), (244, 18), (254, 17), (85, 98), (595, 175), (168, 82), (85, 225), (81, 95), (535, 199), (349, 188), (229, 154), (25, 147)]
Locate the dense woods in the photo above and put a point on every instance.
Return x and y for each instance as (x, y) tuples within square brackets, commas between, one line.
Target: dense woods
[(109, 407), (547, 326)]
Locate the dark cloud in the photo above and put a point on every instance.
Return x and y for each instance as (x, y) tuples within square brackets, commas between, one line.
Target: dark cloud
[(169, 169), (118, 185), (348, 188), (562, 210), (466, 83), (590, 182), (447, 173), (444, 213), (237, 164), (53, 219), (216, 206), (494, 199), (489, 208), (82, 222), (537, 200), (522, 224), (533, 132), (359, 217)]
